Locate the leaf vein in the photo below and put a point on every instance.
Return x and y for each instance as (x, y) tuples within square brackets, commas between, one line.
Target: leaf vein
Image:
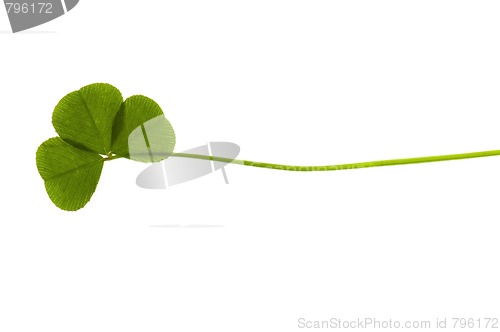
[(73, 170), (93, 121)]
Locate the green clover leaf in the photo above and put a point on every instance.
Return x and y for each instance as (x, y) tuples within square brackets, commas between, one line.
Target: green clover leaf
[(85, 117), (94, 125), (141, 132), (71, 174)]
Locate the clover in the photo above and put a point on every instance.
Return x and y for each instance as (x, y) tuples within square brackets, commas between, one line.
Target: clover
[(96, 125)]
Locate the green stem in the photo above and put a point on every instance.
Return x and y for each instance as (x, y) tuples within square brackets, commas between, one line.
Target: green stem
[(378, 163)]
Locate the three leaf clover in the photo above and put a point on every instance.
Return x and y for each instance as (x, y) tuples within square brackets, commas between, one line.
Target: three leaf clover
[(95, 124)]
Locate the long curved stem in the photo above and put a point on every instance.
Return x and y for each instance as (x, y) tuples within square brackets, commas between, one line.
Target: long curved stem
[(377, 163)]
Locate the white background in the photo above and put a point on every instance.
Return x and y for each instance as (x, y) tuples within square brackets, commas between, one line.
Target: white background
[(299, 82)]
